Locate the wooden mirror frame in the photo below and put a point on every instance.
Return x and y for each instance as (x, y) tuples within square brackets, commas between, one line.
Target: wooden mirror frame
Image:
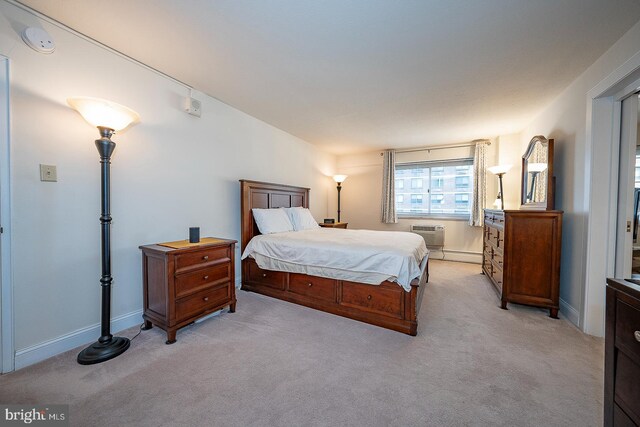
[(549, 203)]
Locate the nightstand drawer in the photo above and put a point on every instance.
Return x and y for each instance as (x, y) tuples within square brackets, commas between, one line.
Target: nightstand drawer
[(385, 301), (273, 279), (201, 258), (198, 280), (201, 301), (628, 328), (315, 287)]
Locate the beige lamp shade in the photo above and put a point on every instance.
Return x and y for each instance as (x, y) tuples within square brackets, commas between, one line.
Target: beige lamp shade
[(339, 178), (103, 113), (499, 169)]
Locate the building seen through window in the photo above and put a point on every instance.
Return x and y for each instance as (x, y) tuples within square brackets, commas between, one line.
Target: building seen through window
[(434, 188)]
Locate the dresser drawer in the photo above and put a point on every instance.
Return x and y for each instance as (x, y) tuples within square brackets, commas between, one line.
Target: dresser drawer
[(628, 328), (316, 287), (385, 301), (188, 283), (201, 258), (498, 218), (620, 419), (272, 279), (496, 274), (627, 388), (497, 258), (486, 264), (201, 301)]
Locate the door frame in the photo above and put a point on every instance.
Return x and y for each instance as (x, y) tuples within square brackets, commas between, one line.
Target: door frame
[(602, 159), (7, 353)]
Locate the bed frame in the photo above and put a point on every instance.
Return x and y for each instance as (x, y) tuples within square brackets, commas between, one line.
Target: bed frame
[(386, 305)]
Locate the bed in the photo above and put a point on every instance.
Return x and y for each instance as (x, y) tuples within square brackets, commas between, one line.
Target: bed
[(386, 304)]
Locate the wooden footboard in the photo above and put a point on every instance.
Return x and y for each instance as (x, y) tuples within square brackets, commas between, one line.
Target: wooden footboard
[(386, 305)]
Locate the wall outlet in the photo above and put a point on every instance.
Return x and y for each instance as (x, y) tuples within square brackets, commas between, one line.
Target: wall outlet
[(193, 107), (48, 173)]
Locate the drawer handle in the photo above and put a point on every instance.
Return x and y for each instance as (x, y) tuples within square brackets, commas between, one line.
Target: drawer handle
[(309, 284), (205, 277), (205, 299), (264, 274), (206, 257), (637, 335), (368, 297)]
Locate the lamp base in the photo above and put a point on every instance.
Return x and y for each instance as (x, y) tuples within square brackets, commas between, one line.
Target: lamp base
[(99, 352)]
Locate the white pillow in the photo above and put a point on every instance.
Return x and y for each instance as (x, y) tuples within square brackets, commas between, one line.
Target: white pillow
[(301, 219), (272, 220)]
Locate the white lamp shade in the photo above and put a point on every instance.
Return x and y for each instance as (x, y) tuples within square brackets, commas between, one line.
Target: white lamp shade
[(499, 169), (103, 113), (536, 167), (339, 178)]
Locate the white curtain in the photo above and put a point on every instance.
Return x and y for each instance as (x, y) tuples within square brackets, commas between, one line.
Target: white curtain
[(476, 219), (389, 188)]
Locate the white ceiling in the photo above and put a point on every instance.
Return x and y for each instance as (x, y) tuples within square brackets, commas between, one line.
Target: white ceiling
[(356, 75)]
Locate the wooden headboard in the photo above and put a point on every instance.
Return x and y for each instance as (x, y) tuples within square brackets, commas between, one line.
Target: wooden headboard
[(265, 195)]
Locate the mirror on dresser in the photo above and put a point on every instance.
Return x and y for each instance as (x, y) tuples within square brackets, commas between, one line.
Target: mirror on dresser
[(537, 175)]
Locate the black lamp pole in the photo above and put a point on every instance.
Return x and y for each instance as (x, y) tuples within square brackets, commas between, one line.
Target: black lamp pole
[(534, 175), (501, 193), (107, 347), (339, 187)]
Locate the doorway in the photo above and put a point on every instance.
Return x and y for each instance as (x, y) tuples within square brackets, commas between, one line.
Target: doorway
[(7, 355), (627, 264)]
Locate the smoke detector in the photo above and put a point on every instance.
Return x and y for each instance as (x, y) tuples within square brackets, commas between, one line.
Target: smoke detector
[(38, 40)]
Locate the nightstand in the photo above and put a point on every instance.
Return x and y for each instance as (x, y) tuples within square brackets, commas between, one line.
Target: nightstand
[(184, 281), (334, 225)]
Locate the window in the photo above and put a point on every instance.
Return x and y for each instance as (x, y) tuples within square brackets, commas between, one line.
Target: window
[(437, 199), (462, 199), (437, 188), (462, 181), (400, 184)]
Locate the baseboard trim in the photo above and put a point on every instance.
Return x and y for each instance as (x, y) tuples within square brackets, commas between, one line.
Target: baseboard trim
[(39, 352), (456, 255), (569, 312)]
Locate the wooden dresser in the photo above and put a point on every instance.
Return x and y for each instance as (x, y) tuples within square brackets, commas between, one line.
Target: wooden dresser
[(182, 285), (521, 256), (622, 354)]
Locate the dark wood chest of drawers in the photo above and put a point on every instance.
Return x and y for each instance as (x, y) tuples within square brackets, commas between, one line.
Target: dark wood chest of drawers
[(622, 354), (521, 256), (182, 285)]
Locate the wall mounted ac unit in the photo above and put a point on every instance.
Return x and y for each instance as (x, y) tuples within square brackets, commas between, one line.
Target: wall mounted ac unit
[(433, 235)]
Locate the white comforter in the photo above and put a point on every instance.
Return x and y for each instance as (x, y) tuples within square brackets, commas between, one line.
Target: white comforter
[(351, 254)]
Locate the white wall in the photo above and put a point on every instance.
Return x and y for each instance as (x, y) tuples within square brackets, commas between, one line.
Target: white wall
[(362, 193), (565, 120), (169, 172)]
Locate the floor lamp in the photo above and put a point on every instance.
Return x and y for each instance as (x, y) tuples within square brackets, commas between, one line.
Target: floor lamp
[(108, 117), (339, 179), (534, 169), (500, 170)]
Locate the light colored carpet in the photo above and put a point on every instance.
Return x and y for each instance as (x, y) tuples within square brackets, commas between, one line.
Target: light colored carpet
[(273, 363)]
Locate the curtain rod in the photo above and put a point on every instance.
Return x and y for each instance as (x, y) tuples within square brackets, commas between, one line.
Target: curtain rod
[(442, 147)]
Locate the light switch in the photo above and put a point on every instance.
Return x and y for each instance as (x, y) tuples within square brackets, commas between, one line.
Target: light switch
[(48, 173)]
